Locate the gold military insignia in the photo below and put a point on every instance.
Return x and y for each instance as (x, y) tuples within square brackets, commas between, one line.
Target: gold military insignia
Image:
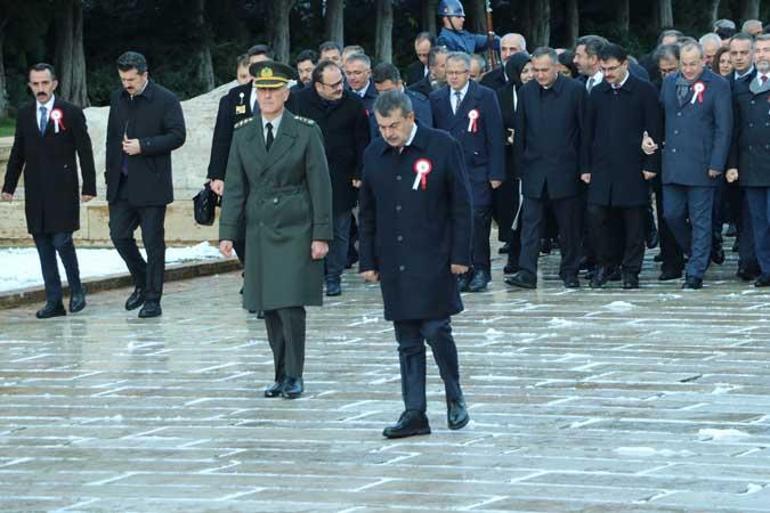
[(240, 109), (266, 72)]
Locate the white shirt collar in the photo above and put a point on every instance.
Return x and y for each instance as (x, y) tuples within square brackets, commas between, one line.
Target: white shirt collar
[(362, 92), (411, 135), (596, 77), (741, 75), (623, 82), (48, 105), (462, 91), (253, 100), (275, 122)]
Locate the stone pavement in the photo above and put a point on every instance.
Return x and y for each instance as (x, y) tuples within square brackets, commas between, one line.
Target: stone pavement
[(657, 400)]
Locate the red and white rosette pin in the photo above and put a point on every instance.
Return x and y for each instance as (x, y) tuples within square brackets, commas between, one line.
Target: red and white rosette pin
[(473, 123), (422, 168), (57, 117), (698, 88)]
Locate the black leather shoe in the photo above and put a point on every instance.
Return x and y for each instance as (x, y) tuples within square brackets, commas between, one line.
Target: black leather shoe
[(150, 309), (658, 257), (653, 238), (77, 301), (718, 255), (292, 388), (747, 274), (511, 266), (571, 282), (523, 279), (630, 281), (732, 231), (275, 389), (135, 300), (333, 288), (763, 281), (599, 278), (691, 282), (51, 310), (478, 282), (670, 275), (457, 414), (462, 282), (410, 423), (546, 246), (614, 273)]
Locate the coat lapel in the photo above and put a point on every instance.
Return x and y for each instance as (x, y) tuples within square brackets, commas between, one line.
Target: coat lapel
[(468, 103)]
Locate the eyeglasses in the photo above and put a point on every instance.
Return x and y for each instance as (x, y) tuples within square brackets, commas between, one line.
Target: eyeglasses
[(456, 73)]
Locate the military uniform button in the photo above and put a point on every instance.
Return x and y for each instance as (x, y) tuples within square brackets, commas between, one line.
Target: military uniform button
[(400, 238), (398, 208), (275, 201), (398, 177), (401, 267)]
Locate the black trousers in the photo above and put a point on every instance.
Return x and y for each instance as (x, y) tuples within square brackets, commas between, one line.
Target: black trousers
[(505, 203), (568, 212), (48, 244), (603, 219), (411, 337), (124, 220), (286, 334), (482, 224)]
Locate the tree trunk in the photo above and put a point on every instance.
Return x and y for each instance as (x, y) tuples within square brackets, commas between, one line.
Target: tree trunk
[(750, 10), (204, 68), (3, 79), (478, 14), (664, 14), (573, 23), (624, 15), (429, 8), (541, 26), (70, 58), (713, 12), (383, 43), (279, 27), (335, 28)]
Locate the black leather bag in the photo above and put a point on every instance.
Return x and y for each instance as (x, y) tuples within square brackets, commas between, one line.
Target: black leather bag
[(204, 205)]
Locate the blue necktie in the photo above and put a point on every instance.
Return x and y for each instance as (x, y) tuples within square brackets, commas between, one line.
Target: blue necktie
[(43, 119)]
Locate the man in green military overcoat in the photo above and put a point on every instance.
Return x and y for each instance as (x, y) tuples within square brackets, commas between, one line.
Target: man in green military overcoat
[(277, 182)]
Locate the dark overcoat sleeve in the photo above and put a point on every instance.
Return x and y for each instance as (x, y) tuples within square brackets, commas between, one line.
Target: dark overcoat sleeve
[(653, 125), (723, 126), (85, 153), (462, 212), (581, 100), (495, 138), (234, 196), (361, 138), (173, 132), (16, 160), (367, 221), (220, 141), (319, 186)]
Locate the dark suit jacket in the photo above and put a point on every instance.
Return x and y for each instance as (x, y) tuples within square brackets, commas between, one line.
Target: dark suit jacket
[(617, 119), (51, 199), (413, 236), (155, 118), (345, 127), (422, 86), (742, 84), (750, 150), (550, 141), (483, 149), (505, 98), (233, 107), (415, 72), (698, 135)]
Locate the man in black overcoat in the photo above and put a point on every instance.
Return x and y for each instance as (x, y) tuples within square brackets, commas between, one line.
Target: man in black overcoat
[(345, 127), (415, 233), (620, 110), (145, 125), (49, 134)]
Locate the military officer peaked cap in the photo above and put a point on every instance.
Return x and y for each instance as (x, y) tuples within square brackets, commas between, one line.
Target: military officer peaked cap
[(271, 75)]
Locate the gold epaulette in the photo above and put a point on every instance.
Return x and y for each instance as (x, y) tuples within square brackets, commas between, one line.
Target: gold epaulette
[(243, 123), (304, 120)]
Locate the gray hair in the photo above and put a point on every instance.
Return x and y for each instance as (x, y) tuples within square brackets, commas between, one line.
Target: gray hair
[(749, 23), (691, 45), (711, 37), (667, 52), (545, 51), (360, 57), (481, 61), (762, 37), (459, 56), (522, 40), (724, 23), (592, 43), (436, 50), (389, 101)]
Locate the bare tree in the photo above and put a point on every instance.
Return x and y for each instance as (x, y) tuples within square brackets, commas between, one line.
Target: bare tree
[(429, 8), (750, 10), (334, 18), (204, 68), (713, 11), (383, 45), (624, 14), (541, 23), (664, 13), (573, 22), (279, 28), (70, 57)]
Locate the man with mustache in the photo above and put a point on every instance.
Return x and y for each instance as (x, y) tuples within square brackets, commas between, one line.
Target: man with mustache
[(49, 134)]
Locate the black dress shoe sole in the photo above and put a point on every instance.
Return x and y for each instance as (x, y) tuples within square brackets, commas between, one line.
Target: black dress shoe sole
[(290, 395), (520, 284), (78, 307), (150, 315), (61, 313), (133, 306), (273, 393), (406, 434), (668, 277)]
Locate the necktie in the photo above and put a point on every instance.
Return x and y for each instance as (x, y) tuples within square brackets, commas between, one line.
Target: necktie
[(270, 138), (762, 79), (590, 84), (43, 120), (458, 99)]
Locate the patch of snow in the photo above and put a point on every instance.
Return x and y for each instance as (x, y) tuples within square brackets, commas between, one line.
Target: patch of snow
[(722, 435), (619, 306), (646, 452), (20, 267), (561, 323)]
